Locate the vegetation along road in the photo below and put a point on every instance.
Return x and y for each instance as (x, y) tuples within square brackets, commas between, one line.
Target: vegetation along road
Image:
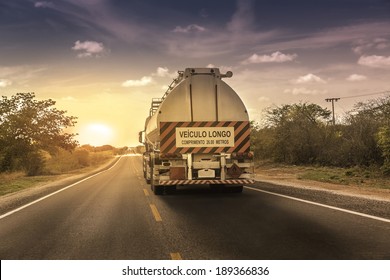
[(114, 215)]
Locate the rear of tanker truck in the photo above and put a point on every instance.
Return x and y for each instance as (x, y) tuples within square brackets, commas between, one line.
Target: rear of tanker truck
[(198, 133)]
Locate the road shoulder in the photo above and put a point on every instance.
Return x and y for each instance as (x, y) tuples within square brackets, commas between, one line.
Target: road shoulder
[(365, 200), (14, 200)]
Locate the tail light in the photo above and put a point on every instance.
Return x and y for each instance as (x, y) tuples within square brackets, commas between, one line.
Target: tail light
[(248, 155), (171, 156)]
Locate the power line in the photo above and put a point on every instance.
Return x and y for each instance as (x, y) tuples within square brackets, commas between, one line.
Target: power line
[(335, 99), (367, 94)]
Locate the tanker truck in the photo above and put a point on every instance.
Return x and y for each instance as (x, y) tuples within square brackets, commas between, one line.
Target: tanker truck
[(198, 133)]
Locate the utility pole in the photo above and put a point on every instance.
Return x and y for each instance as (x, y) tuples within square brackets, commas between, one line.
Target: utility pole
[(332, 100)]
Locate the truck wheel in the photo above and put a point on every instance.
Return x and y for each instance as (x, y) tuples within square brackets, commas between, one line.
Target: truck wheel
[(158, 190), (149, 180), (146, 178), (170, 189), (217, 188), (236, 189)]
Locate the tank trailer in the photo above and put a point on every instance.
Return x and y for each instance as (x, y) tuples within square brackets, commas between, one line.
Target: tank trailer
[(198, 133)]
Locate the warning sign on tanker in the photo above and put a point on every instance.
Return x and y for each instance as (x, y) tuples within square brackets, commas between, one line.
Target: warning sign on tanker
[(191, 137)]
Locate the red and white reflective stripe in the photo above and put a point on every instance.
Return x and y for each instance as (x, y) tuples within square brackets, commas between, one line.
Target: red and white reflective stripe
[(207, 182)]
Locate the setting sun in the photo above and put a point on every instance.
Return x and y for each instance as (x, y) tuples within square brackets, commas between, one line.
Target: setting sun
[(96, 134)]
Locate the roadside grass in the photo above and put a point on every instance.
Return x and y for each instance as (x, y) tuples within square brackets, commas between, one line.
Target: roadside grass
[(17, 181), (56, 167), (65, 161), (357, 176), (370, 177)]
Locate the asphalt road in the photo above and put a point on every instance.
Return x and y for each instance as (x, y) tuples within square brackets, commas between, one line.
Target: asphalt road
[(114, 215)]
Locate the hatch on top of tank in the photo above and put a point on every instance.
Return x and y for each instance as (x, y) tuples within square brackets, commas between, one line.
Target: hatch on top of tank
[(195, 71), (206, 71)]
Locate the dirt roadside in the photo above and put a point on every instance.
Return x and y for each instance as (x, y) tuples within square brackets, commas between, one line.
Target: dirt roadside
[(289, 178)]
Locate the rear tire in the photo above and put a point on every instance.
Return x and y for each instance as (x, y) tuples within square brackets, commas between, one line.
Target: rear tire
[(157, 190), (238, 189), (170, 189), (234, 189), (217, 188)]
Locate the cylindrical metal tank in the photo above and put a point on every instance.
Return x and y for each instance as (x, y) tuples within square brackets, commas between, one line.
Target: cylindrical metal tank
[(198, 94)]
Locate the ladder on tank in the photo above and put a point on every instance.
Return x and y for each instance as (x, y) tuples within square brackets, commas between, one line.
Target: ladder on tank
[(154, 106), (156, 102)]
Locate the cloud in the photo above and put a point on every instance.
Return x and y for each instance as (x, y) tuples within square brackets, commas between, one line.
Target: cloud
[(144, 81), (68, 98), (237, 35), (305, 91), (5, 83), (375, 61), (240, 35), (100, 20), (203, 13), (243, 18), (43, 4), (222, 68), (164, 72), (382, 44), (309, 78), (364, 46), (20, 74), (276, 57), (263, 99), (189, 28), (356, 78), (161, 72), (329, 37), (89, 48)]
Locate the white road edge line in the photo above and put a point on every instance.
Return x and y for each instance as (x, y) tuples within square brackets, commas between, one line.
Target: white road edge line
[(322, 205), (53, 193)]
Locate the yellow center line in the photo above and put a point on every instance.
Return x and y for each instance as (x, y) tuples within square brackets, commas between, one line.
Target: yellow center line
[(146, 192), (176, 256), (156, 215)]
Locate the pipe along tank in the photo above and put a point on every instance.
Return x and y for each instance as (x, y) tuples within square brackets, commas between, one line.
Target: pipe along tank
[(198, 133)]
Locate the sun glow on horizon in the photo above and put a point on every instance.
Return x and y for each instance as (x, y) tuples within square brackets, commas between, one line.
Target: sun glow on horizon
[(96, 134)]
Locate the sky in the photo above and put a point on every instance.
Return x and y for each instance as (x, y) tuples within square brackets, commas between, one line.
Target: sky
[(103, 60)]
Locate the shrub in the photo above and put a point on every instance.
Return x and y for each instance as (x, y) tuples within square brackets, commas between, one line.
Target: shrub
[(82, 157), (384, 144)]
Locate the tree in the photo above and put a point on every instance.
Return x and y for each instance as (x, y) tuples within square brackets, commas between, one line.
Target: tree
[(27, 126), (360, 134), (262, 138), (301, 134), (384, 144), (298, 132)]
